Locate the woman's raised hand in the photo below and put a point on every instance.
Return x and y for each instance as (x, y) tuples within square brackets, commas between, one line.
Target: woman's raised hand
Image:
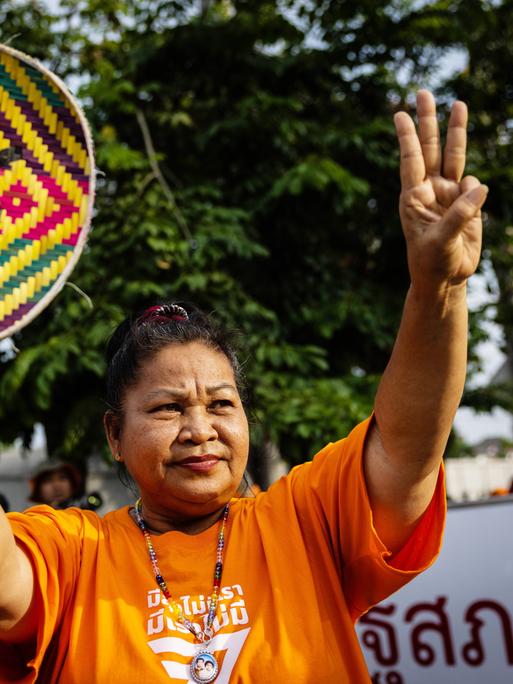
[(440, 209)]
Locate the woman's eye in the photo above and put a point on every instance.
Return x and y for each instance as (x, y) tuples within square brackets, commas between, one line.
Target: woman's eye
[(173, 407), (220, 403)]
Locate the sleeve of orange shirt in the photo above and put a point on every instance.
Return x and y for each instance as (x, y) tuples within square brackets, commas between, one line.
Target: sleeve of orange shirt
[(53, 542), (331, 497)]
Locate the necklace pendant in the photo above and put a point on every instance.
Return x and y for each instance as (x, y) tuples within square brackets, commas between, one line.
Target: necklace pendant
[(204, 667)]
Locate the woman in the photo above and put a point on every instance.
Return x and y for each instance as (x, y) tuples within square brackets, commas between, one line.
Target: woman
[(55, 483), (61, 485), (195, 585)]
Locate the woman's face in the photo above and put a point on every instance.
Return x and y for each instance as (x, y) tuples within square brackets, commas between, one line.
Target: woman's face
[(55, 487), (183, 435)]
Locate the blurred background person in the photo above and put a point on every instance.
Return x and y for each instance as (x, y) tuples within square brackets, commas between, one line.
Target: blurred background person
[(61, 485)]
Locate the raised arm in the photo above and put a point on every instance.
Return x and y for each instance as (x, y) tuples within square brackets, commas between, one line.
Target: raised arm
[(16, 588), (423, 382)]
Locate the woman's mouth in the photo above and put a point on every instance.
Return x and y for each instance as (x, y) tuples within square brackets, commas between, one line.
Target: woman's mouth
[(199, 463)]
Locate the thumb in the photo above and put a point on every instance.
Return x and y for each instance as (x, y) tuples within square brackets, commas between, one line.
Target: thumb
[(464, 209)]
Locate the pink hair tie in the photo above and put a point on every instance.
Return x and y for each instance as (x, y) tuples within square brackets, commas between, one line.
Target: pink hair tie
[(163, 313)]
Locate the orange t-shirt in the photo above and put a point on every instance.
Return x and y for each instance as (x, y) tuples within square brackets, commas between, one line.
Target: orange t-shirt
[(302, 561)]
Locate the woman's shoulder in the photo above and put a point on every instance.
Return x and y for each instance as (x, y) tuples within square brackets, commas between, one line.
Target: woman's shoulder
[(40, 522), (46, 516), (68, 517)]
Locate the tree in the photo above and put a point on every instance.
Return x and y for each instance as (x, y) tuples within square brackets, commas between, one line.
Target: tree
[(483, 30), (250, 165)]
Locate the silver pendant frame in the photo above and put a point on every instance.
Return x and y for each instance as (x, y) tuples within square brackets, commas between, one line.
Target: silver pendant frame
[(201, 675)]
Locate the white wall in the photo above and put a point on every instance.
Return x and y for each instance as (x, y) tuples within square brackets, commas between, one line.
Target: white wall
[(476, 477)]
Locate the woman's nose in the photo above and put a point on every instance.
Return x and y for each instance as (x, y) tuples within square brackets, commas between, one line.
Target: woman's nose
[(197, 427)]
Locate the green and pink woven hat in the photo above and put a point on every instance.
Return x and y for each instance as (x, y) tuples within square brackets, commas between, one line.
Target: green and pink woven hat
[(47, 180)]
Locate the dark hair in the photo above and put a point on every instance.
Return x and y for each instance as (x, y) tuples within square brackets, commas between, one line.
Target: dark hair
[(144, 334)]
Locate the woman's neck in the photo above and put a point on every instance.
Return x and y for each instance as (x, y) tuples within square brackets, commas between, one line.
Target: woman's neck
[(160, 523)]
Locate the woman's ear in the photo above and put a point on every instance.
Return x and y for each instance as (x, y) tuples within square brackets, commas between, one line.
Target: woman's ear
[(112, 425)]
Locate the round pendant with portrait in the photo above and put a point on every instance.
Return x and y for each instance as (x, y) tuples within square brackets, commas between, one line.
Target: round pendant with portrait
[(204, 667)]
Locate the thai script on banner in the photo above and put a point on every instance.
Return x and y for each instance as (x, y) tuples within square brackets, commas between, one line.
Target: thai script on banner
[(379, 635), (454, 623)]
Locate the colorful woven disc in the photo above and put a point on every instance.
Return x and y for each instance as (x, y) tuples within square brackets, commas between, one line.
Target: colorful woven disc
[(46, 187)]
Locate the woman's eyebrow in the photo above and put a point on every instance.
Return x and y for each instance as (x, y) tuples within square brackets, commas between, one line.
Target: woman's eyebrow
[(224, 385), (178, 393)]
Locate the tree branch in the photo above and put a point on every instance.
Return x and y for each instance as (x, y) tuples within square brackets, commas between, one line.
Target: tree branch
[(157, 173)]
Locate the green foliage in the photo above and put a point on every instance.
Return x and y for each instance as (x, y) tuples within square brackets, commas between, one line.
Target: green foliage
[(484, 31), (250, 165)]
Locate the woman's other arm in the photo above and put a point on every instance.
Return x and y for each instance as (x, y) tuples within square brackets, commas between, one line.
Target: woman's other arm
[(423, 382), (16, 588)]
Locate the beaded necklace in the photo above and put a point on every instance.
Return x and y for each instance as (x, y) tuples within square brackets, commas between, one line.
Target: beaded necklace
[(204, 666)]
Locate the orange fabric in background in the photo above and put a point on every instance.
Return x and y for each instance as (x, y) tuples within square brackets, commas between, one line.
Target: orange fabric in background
[(302, 562)]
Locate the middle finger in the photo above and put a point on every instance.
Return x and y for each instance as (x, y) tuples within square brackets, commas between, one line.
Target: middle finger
[(429, 133)]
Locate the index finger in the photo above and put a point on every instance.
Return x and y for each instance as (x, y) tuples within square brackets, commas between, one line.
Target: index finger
[(413, 170), (456, 145)]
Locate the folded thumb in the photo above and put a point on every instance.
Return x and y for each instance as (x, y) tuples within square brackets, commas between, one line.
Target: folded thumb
[(478, 195), (465, 208)]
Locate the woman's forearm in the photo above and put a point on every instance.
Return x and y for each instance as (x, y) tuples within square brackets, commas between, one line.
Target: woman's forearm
[(415, 406), (423, 383)]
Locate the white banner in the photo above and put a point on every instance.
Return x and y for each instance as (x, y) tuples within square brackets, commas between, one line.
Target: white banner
[(454, 623)]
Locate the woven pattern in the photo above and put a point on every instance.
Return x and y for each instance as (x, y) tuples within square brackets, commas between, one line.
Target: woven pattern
[(46, 188)]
